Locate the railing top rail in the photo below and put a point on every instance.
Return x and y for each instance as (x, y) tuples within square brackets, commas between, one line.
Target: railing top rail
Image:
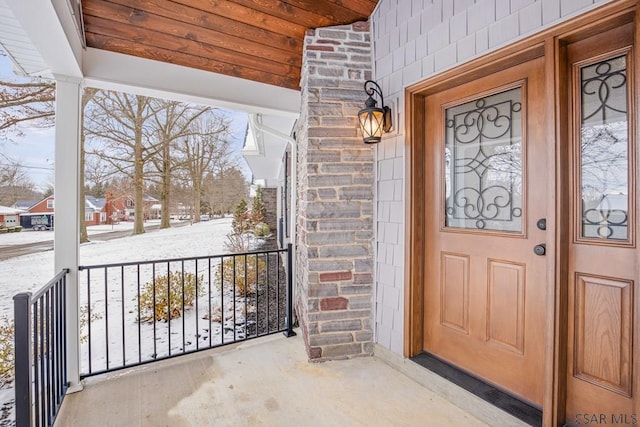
[(132, 263), (50, 284)]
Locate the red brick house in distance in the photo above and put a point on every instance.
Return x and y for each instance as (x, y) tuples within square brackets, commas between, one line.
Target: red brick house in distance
[(98, 210), (45, 205), (122, 208)]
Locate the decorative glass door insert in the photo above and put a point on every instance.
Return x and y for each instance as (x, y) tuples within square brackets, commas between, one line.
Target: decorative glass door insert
[(483, 163), (604, 149)]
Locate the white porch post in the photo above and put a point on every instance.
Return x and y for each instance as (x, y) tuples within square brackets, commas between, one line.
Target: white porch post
[(67, 221)]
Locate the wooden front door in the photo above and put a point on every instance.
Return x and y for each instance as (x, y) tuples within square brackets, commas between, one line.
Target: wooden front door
[(496, 146), (485, 281), (602, 376)]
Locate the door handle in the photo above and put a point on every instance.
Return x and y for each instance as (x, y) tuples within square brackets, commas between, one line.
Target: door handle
[(540, 249)]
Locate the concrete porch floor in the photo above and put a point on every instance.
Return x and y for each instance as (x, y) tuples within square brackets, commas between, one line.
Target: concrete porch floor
[(269, 382)]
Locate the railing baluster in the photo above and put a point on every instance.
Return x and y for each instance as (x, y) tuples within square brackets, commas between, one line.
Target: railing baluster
[(257, 270), (59, 343), (267, 293), (197, 336), (209, 300), (289, 332), (278, 258), (182, 284), (168, 306), (139, 317), (23, 358), (54, 346), (89, 341), (153, 309), (106, 315), (47, 350), (63, 324), (124, 354), (233, 286), (36, 366), (43, 408), (246, 299)]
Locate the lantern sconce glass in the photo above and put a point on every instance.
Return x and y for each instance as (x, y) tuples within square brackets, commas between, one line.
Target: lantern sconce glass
[(374, 120)]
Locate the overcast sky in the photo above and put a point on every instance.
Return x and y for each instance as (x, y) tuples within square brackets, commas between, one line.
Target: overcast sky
[(35, 150)]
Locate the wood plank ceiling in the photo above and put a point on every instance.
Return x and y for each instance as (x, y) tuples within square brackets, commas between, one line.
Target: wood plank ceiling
[(259, 40)]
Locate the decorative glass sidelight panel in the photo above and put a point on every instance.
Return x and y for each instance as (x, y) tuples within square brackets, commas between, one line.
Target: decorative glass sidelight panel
[(604, 150), (483, 163)]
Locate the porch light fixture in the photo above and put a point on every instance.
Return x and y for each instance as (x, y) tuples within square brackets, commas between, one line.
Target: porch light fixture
[(374, 120)]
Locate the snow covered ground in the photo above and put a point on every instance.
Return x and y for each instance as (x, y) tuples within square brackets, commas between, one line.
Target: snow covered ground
[(31, 272)]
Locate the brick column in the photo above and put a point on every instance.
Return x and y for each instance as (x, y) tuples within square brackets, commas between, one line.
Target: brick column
[(334, 259)]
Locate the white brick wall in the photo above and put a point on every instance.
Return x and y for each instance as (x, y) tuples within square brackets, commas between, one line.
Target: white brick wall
[(413, 40)]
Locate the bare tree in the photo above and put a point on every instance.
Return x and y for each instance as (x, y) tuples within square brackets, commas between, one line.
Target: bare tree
[(174, 122), (31, 101), (200, 152), (121, 122), (226, 188), (15, 184)]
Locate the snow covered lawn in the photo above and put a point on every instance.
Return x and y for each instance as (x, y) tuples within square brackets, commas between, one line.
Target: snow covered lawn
[(31, 272)]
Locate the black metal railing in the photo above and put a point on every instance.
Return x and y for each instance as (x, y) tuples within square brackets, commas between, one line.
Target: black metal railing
[(139, 312), (40, 353)]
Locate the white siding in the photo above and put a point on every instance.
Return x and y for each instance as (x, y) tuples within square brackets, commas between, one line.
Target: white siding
[(413, 40)]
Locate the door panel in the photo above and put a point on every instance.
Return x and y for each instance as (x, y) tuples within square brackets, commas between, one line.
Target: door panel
[(505, 304), (603, 258), (454, 294), (603, 332), (485, 287)]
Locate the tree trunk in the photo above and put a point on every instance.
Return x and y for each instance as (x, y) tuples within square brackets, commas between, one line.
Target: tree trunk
[(196, 201), (165, 194), (138, 175)]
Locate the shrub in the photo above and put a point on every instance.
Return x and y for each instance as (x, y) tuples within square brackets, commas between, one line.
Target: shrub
[(7, 355), (240, 223), (245, 279), (84, 320), (168, 305), (261, 229), (237, 243), (258, 210)]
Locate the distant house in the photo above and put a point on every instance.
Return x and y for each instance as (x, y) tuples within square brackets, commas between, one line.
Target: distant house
[(124, 207), (95, 211), (45, 205), (24, 205), (10, 217)]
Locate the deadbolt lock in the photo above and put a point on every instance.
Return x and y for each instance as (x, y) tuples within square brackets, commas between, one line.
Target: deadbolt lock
[(542, 223)]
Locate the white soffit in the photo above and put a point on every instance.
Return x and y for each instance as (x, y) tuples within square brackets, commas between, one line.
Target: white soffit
[(15, 42), (116, 71), (49, 49), (265, 145)]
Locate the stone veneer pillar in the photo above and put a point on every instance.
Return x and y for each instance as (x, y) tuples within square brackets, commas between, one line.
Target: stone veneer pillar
[(335, 184)]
